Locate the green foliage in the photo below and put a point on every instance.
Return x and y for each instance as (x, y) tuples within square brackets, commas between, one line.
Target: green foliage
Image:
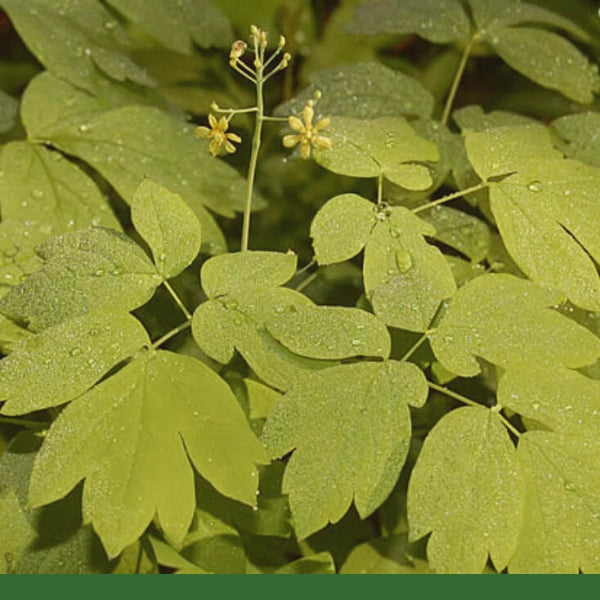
[(396, 367)]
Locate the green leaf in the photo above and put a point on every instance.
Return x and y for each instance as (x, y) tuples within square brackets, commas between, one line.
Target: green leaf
[(214, 330), (434, 21), (261, 399), (181, 25), (17, 252), (350, 425), (545, 211), (561, 529), (383, 556), (366, 90), (563, 400), (467, 490), (39, 185), (141, 429), (511, 324), (10, 335), (580, 138), (475, 119), (50, 540), (330, 332), (9, 108), (405, 278), (74, 39), (459, 230), (242, 271), (341, 228), (548, 59), (385, 147), (168, 225), (86, 270), (63, 361), (315, 564)]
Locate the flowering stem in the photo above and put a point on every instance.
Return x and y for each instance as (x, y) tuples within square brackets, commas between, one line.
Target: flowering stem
[(160, 341), (177, 299), (259, 119)]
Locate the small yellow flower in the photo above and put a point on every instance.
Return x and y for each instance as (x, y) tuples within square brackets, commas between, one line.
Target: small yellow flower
[(218, 135), (308, 133)]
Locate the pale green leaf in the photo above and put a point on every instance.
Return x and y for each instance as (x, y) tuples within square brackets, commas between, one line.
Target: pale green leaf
[(214, 330), (503, 150), (132, 438), (315, 564), (405, 278), (137, 559), (463, 270), (459, 230), (475, 119), (17, 251), (168, 225), (341, 228), (467, 490), (9, 108), (383, 556), (63, 361), (85, 270), (563, 400), (74, 39), (10, 335), (261, 399), (506, 321), (330, 332), (561, 528), (39, 185), (167, 556), (377, 147), (48, 540), (349, 424), (242, 271), (434, 21), (548, 59), (366, 90), (580, 139), (178, 26)]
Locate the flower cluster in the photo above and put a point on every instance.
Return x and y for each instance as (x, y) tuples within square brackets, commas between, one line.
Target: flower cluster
[(218, 135), (308, 132)]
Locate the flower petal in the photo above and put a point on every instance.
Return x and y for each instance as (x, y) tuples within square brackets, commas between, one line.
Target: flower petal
[(234, 137), (289, 141), (214, 147), (305, 149), (223, 124), (229, 147), (295, 123), (202, 131), (308, 114), (322, 142), (322, 124), (212, 121)]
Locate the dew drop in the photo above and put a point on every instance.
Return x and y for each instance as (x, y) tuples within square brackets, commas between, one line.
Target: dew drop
[(279, 309), (570, 486), (535, 186), (355, 342), (231, 305), (99, 273), (38, 194), (83, 128), (536, 406), (75, 352), (404, 261)]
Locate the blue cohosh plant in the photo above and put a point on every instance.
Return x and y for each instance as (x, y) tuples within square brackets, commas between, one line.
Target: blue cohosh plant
[(416, 390)]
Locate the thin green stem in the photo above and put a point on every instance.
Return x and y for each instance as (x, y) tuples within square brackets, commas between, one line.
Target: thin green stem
[(253, 158), (457, 77), (235, 111), (465, 400), (379, 190), (453, 196), (160, 341), (305, 267), (307, 281), (23, 422), (279, 119), (177, 299), (414, 347)]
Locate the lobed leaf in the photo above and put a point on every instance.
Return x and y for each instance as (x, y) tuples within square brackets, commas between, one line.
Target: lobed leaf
[(506, 321), (579, 137), (62, 362), (367, 90), (9, 108), (561, 530), (168, 225), (561, 399), (330, 332), (40, 186), (85, 270), (386, 147), (341, 228), (434, 21), (179, 26), (466, 489), (73, 39), (351, 425), (132, 438), (405, 278)]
